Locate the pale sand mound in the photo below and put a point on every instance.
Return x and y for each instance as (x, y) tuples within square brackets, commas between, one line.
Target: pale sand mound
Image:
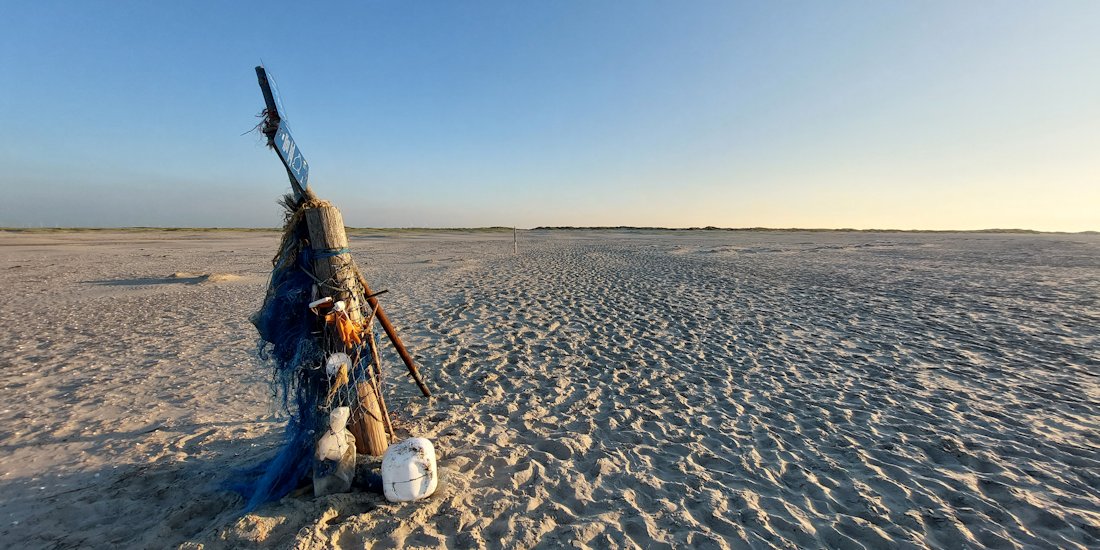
[(207, 277), (600, 390)]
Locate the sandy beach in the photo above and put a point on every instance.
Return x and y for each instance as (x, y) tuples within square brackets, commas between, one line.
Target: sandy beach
[(601, 389)]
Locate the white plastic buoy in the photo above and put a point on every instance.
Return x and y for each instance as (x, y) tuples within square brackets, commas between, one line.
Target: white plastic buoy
[(408, 470)]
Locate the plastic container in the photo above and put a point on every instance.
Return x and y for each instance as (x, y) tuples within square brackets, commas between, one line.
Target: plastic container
[(334, 464), (332, 366), (408, 470)]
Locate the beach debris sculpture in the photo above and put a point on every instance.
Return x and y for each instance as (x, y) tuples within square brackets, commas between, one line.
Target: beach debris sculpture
[(316, 329)]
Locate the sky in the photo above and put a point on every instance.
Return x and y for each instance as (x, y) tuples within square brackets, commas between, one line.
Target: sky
[(840, 114)]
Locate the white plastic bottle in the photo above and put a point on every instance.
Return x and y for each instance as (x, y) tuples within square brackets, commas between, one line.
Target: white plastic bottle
[(334, 461)]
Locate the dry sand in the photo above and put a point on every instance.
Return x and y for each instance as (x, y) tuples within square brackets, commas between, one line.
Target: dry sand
[(600, 389)]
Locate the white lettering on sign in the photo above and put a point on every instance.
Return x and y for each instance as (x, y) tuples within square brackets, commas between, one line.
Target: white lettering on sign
[(289, 149), (293, 157)]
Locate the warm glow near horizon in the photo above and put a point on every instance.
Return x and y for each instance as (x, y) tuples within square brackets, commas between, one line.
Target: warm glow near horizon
[(919, 115)]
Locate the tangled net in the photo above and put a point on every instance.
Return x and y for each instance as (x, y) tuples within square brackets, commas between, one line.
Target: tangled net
[(296, 341)]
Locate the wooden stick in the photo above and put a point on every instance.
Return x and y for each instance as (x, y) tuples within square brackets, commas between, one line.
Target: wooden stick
[(392, 334), (378, 378)]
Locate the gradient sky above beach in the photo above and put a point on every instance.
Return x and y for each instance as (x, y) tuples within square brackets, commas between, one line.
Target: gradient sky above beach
[(911, 115)]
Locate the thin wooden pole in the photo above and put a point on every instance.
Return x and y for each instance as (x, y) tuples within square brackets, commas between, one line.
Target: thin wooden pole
[(392, 334), (378, 377), (515, 242)]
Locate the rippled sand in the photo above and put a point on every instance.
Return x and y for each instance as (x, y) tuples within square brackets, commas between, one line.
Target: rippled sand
[(600, 389)]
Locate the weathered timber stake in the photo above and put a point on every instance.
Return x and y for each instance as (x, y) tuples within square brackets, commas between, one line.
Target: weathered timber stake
[(334, 267), (326, 236), (370, 433), (378, 376)]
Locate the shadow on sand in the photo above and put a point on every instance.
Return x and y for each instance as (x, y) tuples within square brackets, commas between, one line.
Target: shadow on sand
[(160, 504)]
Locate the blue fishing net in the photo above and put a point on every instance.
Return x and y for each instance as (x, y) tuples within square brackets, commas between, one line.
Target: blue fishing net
[(293, 343)]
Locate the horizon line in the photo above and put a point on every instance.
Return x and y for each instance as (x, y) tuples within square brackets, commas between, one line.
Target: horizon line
[(555, 228)]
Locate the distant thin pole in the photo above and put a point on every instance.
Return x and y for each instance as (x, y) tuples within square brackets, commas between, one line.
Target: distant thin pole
[(515, 242)]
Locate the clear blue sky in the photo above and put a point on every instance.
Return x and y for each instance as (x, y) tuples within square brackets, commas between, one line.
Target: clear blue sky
[(922, 114)]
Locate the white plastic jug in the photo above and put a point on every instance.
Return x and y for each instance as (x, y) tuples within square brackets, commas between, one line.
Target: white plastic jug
[(408, 470), (334, 459)]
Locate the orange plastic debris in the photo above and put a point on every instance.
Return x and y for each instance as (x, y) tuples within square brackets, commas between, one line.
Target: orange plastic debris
[(351, 333)]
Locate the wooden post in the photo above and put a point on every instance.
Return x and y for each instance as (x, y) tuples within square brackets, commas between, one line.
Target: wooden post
[(369, 431), (378, 376), (372, 405), (334, 268), (515, 242)]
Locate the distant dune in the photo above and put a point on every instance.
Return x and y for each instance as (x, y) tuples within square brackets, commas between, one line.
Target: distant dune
[(493, 229), (246, 229), (804, 229)]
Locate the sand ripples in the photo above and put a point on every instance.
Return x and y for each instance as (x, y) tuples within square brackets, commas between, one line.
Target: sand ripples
[(604, 390), (888, 396)]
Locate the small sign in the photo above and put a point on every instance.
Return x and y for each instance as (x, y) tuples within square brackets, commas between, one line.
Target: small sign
[(291, 155)]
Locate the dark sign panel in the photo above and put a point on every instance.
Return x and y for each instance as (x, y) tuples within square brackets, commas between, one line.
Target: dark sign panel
[(291, 155)]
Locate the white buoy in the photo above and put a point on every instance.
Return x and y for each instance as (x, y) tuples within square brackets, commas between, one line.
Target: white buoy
[(408, 470)]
